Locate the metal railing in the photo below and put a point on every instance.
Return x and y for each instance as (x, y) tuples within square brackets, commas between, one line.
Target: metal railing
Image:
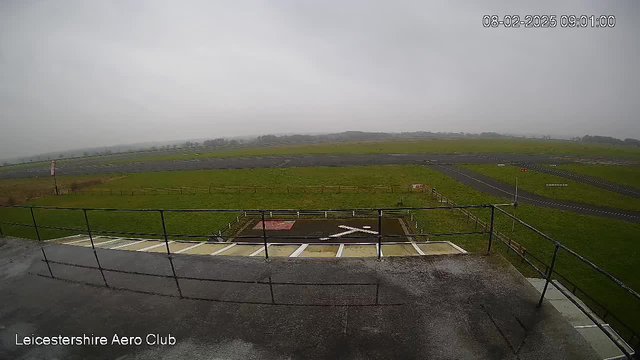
[(632, 339), (379, 213), (247, 188)]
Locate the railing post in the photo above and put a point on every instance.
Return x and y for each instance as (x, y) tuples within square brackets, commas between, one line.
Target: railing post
[(95, 254), (264, 236), (493, 211), (166, 243), (35, 226), (379, 234), (549, 274)]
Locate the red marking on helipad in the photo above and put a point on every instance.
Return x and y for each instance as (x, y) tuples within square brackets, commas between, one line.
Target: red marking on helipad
[(275, 225)]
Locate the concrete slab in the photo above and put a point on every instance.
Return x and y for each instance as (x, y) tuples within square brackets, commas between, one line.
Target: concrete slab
[(596, 338), (85, 242), (140, 245), (605, 348), (320, 251), (241, 250), (173, 247), (437, 248), (359, 251), (69, 239), (399, 250), (121, 242), (281, 250), (572, 313), (206, 249)]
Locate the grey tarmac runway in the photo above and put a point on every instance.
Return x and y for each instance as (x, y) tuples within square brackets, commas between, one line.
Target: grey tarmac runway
[(494, 187), (278, 161)]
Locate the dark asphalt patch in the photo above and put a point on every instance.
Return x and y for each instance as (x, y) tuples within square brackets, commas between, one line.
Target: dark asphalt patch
[(449, 307), (312, 230)]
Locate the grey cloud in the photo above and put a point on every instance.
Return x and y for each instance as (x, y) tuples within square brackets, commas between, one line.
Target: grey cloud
[(78, 73)]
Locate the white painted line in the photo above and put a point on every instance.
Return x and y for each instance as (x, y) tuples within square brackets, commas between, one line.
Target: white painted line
[(77, 241), (223, 249), (381, 254), (356, 229), (343, 233), (66, 237), (189, 248), (154, 246), (366, 227), (463, 251), (417, 248), (104, 242), (299, 250), (259, 251), (340, 250), (125, 245), (585, 326)]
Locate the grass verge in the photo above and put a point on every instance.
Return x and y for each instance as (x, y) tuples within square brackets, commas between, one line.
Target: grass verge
[(622, 174), (535, 182)]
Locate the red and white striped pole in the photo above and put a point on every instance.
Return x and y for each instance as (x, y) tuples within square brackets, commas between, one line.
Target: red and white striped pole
[(53, 173)]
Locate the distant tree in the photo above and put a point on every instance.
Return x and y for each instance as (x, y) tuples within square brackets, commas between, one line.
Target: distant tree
[(5, 164), (175, 146), (266, 139), (196, 144), (233, 142), (187, 144), (215, 142), (86, 153), (602, 140), (153, 148), (630, 141)]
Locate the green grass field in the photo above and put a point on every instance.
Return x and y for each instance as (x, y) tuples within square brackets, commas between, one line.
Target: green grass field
[(611, 244), (623, 174), (535, 182), (505, 146), (22, 189), (443, 145)]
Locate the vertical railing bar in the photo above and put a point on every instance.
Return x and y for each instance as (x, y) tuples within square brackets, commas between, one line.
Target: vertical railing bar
[(35, 226), (166, 243), (264, 236), (549, 274), (493, 210), (379, 234), (95, 253)]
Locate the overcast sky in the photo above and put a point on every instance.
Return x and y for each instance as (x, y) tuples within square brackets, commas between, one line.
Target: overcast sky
[(83, 73)]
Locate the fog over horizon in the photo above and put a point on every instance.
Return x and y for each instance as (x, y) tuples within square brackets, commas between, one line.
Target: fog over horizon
[(80, 74)]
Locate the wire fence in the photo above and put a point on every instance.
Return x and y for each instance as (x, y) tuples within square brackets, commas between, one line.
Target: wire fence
[(235, 189)]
